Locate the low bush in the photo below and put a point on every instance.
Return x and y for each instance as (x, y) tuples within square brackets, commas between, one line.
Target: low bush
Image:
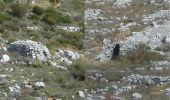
[(53, 16), (2, 6), (38, 10), (77, 71), (19, 10), (143, 54), (35, 17), (37, 64)]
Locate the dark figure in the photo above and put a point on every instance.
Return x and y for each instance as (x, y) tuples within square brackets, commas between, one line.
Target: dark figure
[(116, 51)]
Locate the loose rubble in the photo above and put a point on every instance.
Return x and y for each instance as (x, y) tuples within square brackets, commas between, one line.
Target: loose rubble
[(15, 90), (146, 80)]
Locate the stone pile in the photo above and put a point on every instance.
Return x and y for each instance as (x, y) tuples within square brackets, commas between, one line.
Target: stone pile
[(146, 80), (29, 48)]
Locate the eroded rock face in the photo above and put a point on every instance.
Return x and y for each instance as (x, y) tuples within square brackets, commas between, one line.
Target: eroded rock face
[(29, 48)]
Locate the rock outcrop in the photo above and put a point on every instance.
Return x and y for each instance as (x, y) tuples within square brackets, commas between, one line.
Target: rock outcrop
[(29, 48)]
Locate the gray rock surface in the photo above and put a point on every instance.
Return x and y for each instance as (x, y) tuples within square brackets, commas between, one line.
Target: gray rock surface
[(147, 80), (167, 92), (15, 90), (31, 49)]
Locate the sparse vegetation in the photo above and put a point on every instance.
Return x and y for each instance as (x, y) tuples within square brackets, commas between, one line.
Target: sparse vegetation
[(140, 55), (4, 17), (37, 64), (53, 16), (77, 70), (19, 10)]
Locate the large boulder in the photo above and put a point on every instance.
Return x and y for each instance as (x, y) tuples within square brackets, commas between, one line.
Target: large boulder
[(29, 48)]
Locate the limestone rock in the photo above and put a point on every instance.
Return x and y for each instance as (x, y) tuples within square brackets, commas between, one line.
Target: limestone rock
[(31, 49), (5, 58)]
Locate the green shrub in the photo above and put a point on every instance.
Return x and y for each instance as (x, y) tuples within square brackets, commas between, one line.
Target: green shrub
[(53, 16), (37, 64), (51, 20), (2, 6), (4, 17), (61, 37), (38, 10), (19, 10), (77, 71), (34, 16), (54, 2)]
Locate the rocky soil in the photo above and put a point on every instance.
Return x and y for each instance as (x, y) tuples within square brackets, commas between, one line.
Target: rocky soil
[(131, 23)]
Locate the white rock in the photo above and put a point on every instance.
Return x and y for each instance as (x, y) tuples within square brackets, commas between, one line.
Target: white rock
[(39, 85), (4, 48), (5, 58), (167, 91), (66, 61), (61, 67), (81, 94), (37, 98), (15, 90), (71, 54), (136, 96)]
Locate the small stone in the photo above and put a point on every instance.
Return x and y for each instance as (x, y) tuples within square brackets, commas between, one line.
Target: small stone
[(4, 48), (39, 85), (5, 58), (81, 94), (136, 96)]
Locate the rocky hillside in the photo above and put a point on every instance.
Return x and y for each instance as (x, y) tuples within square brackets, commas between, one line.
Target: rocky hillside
[(142, 29), (84, 49)]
